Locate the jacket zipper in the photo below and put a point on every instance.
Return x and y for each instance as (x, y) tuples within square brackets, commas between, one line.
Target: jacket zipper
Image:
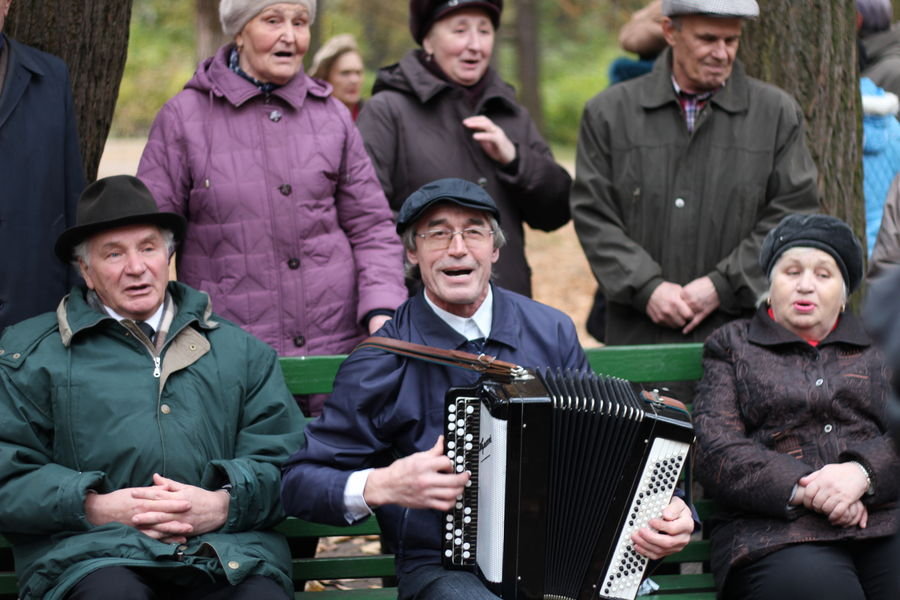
[(156, 367)]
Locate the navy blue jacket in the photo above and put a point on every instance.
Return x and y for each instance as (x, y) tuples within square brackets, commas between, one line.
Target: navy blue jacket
[(385, 407), (41, 177)]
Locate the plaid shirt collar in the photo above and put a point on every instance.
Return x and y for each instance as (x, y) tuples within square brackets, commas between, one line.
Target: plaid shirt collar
[(691, 104)]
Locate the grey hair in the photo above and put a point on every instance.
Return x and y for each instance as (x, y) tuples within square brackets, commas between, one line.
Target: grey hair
[(409, 237), (81, 252)]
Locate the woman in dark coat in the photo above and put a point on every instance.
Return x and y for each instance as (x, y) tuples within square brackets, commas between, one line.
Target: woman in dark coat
[(792, 433), (442, 111)]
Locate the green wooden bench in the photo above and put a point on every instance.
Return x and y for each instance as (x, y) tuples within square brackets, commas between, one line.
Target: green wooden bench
[(684, 576)]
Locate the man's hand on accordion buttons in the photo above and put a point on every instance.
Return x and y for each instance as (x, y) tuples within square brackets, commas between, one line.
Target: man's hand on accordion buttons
[(421, 480), (667, 534)]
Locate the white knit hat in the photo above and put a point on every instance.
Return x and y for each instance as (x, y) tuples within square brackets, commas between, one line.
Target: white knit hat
[(234, 14), (744, 9)]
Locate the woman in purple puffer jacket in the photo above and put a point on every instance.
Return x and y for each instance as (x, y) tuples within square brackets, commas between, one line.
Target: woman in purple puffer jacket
[(289, 230)]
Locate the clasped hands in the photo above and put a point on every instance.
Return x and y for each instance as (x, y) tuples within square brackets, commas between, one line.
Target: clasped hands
[(168, 511), (427, 480), (684, 307), (835, 490)]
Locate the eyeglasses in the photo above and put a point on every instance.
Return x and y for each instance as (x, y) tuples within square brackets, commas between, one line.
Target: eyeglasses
[(440, 239)]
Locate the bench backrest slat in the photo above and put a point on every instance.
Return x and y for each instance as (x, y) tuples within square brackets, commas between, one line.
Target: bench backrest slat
[(665, 362)]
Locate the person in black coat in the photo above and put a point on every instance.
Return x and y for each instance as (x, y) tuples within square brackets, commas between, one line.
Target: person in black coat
[(882, 318), (41, 174)]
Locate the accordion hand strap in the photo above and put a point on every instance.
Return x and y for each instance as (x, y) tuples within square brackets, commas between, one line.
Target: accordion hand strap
[(482, 363), (667, 400)]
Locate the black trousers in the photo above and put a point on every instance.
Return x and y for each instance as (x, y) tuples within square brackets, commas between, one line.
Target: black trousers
[(122, 583), (855, 570)]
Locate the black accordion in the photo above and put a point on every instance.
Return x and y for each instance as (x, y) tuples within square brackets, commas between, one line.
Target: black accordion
[(565, 466)]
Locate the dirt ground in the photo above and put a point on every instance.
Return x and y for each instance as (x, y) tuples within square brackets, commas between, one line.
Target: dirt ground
[(560, 273), (561, 276)]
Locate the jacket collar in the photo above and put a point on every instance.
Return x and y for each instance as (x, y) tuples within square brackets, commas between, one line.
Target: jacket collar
[(437, 333), (23, 59), (764, 331), (657, 89), (75, 314), (411, 77), (214, 75)]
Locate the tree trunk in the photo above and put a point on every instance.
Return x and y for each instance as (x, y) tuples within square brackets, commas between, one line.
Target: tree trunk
[(808, 48), (315, 32), (91, 36), (209, 29), (376, 22), (528, 59)]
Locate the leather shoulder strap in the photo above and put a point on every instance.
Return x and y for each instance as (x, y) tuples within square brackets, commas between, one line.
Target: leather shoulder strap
[(481, 363)]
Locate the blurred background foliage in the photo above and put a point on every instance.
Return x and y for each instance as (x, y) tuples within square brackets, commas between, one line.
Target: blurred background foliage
[(577, 44)]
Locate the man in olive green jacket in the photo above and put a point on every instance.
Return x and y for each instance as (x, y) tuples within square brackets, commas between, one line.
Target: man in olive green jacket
[(141, 437), (679, 176)]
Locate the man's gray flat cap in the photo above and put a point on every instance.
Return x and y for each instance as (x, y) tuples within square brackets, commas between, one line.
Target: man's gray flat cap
[(744, 9)]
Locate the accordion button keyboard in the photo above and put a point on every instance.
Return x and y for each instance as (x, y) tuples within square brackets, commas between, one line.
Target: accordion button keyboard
[(652, 496), (461, 420)]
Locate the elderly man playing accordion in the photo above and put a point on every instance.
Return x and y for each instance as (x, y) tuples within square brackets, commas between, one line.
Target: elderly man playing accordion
[(378, 447)]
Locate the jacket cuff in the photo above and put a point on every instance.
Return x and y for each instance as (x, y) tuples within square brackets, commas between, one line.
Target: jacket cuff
[(387, 297), (512, 169), (871, 474), (387, 312), (642, 297), (727, 300), (72, 496)]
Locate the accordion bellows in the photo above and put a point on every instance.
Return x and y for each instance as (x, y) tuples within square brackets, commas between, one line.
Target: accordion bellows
[(565, 466)]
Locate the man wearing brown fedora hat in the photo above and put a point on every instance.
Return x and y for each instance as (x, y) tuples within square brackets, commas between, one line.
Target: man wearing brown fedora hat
[(143, 436)]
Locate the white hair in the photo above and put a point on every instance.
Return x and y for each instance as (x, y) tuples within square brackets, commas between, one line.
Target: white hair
[(81, 252)]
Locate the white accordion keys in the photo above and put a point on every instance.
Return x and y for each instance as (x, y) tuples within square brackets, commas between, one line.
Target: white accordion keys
[(657, 483)]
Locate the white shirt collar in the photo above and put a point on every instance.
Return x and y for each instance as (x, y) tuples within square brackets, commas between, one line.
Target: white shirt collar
[(471, 328), (153, 321)]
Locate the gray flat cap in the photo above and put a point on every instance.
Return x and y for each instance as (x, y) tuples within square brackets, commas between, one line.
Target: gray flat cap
[(744, 9)]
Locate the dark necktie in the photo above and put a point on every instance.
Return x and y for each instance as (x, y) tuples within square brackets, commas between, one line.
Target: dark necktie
[(147, 329), (475, 346)]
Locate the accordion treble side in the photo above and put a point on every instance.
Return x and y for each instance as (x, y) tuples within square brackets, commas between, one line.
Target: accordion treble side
[(565, 466)]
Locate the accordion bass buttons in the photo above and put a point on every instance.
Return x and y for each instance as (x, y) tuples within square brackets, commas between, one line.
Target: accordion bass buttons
[(460, 526)]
